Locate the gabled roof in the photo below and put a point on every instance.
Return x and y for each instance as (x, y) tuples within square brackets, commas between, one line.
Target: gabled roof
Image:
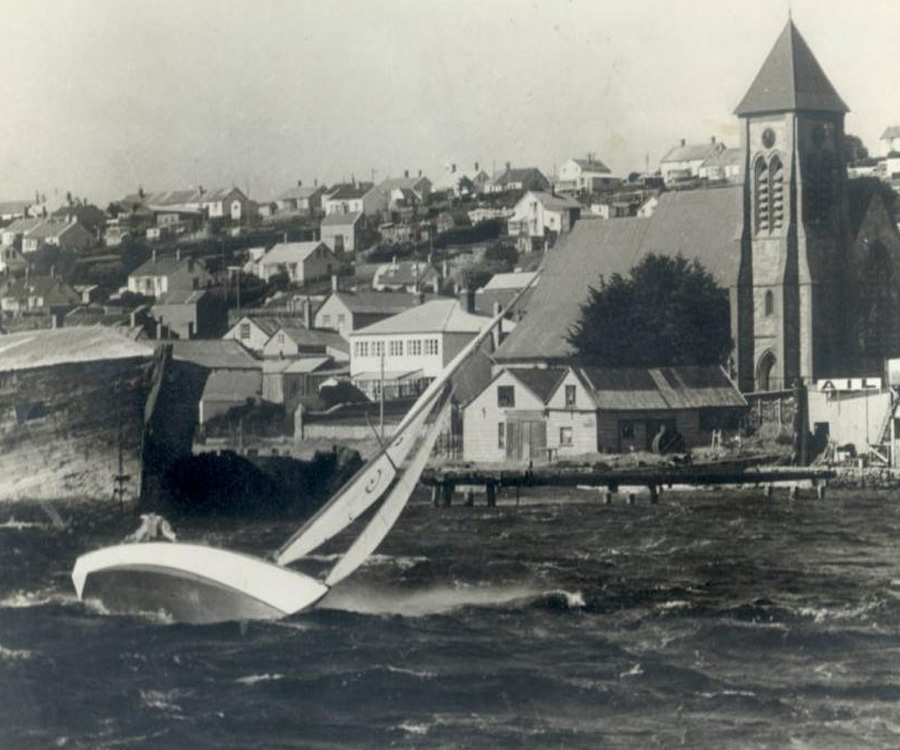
[(692, 152), (217, 194), (268, 324), (301, 335), (789, 80), (164, 265), (728, 157), (13, 207), (405, 273), (663, 388), (180, 297), (338, 219), (699, 224), (299, 192), (20, 226), (893, 131), (233, 384), (517, 280), (542, 381), (553, 202), (376, 303), (53, 227), (54, 291), (520, 175), (292, 252), (213, 353), (436, 316), (592, 165), (349, 191), (402, 183)]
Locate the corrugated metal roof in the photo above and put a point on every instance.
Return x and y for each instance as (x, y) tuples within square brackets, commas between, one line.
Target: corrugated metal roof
[(213, 353), (436, 316), (665, 389), (790, 79), (292, 252), (516, 280), (233, 384), (338, 219), (388, 303), (704, 225), (692, 152)]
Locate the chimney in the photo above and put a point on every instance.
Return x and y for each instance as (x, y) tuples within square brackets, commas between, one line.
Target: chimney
[(476, 166), (453, 168), (712, 139), (307, 313), (284, 238), (178, 254), (299, 183), (154, 256), (467, 299), (590, 157), (406, 173), (508, 167), (53, 271), (444, 268), (420, 297), (316, 182), (420, 173), (334, 283), (683, 142)]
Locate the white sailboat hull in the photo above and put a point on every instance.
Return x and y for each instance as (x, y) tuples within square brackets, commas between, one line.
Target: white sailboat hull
[(192, 583)]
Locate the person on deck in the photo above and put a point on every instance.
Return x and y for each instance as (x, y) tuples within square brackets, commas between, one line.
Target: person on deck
[(153, 527)]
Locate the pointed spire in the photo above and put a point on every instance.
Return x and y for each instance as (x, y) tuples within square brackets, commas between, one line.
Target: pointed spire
[(790, 79)]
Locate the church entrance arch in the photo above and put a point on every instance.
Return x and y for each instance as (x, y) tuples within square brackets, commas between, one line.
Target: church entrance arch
[(765, 380)]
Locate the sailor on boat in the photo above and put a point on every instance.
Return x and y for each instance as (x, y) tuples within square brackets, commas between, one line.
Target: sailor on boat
[(153, 528)]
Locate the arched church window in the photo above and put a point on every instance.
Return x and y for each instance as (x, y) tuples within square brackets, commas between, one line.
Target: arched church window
[(818, 186), (761, 184), (765, 380), (776, 190), (770, 303)]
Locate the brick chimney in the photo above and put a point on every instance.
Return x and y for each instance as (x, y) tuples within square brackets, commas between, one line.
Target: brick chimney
[(154, 256), (467, 298), (508, 166), (406, 173), (683, 142), (178, 254), (453, 168), (307, 313), (334, 283), (299, 183), (712, 139)]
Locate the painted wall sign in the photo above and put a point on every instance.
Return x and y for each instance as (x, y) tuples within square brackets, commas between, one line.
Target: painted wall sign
[(831, 385)]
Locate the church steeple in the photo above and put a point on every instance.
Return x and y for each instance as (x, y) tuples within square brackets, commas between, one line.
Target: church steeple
[(790, 80)]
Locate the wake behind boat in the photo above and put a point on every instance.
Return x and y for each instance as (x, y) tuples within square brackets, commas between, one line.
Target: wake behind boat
[(199, 584)]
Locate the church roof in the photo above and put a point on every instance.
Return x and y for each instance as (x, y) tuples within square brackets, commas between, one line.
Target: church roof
[(705, 225), (790, 79)]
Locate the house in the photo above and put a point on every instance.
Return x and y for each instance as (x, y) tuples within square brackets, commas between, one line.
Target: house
[(355, 197), (406, 191), (614, 209), (342, 232), (291, 381), (723, 166), (346, 312), (223, 203), (299, 199), (588, 175), (43, 294), (219, 203), (683, 161), (501, 290), (13, 233), (409, 276), (61, 232), (189, 314), (890, 140), (301, 261), (293, 340), (447, 221), (226, 389), (10, 210), (11, 259), (790, 319), (165, 273), (528, 414), (539, 218), (461, 182), (254, 331), (408, 350), (518, 179)]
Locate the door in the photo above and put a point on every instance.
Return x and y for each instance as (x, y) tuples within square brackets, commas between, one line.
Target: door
[(526, 440), (653, 428)]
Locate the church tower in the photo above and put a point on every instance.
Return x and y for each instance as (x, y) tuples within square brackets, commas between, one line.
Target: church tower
[(790, 320)]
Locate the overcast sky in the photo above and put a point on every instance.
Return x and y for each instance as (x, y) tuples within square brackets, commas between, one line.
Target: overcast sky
[(100, 96)]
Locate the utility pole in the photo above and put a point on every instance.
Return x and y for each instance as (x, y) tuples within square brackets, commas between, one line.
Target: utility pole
[(381, 400), (121, 478)]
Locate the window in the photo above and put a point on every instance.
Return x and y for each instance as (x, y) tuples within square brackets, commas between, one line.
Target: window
[(761, 184), (506, 396), (280, 338), (245, 331), (626, 429), (396, 348), (377, 348), (363, 348), (570, 396), (770, 302), (501, 435), (326, 321), (565, 436), (431, 347), (341, 320), (414, 348), (776, 188)]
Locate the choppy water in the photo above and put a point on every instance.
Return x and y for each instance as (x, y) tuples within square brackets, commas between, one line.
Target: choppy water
[(711, 620)]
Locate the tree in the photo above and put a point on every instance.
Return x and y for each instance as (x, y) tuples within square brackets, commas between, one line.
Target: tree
[(669, 311), (854, 149)]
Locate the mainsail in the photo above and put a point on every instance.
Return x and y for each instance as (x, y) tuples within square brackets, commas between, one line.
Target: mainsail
[(373, 480), (386, 516)]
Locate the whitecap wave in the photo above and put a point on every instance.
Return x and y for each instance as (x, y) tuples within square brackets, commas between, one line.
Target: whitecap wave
[(15, 525), (421, 674), (635, 671), (424, 602), (160, 700), (253, 679), (15, 654), (417, 729)]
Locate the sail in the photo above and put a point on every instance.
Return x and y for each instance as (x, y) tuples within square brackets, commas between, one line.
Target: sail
[(364, 489), (386, 516), (371, 482)]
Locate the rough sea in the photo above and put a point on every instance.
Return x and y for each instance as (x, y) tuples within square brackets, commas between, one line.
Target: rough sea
[(716, 619)]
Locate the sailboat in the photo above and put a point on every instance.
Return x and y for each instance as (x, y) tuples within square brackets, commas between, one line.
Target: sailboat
[(195, 583)]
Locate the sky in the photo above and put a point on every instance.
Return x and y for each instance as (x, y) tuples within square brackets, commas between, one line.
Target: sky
[(102, 96)]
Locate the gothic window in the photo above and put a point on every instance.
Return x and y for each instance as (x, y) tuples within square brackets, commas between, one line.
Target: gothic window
[(764, 372), (761, 184), (770, 303), (776, 190)]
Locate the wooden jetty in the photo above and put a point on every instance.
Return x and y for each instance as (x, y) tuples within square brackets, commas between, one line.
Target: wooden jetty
[(445, 479)]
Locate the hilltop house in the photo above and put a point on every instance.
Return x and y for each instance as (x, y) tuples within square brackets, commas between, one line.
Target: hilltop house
[(406, 191), (517, 180), (189, 314), (586, 175), (254, 331), (44, 294), (890, 140), (355, 197), (293, 340), (57, 231), (300, 199), (462, 181), (539, 218), (683, 161), (10, 210), (528, 414), (342, 232), (301, 261), (165, 273), (409, 276), (346, 312), (722, 166), (501, 290)]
